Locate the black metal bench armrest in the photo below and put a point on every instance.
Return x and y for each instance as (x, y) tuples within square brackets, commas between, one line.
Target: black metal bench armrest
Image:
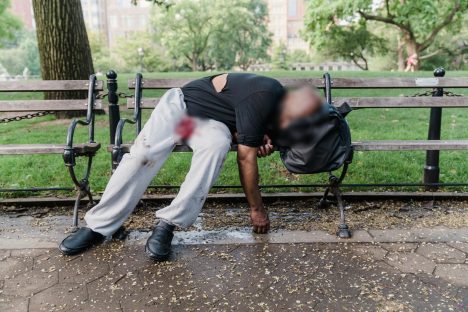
[(68, 154), (117, 152)]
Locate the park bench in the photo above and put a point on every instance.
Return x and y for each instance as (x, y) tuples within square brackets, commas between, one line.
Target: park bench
[(435, 102), (35, 108)]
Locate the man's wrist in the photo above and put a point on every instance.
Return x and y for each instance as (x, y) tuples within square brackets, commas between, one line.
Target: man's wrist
[(257, 208)]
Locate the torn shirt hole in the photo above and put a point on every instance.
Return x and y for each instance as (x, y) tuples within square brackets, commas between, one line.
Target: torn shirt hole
[(219, 82)]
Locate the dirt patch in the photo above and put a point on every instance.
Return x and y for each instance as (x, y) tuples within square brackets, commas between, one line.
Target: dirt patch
[(297, 215), (305, 215)]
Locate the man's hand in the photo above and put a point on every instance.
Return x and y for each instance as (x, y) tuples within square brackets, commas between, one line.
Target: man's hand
[(267, 148), (260, 220), (248, 171)]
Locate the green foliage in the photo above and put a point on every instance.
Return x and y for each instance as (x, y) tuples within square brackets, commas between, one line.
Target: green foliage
[(101, 55), (185, 29), (214, 34), (128, 52), (350, 42), (449, 50), (299, 56), (351, 24), (9, 24), (280, 57), (243, 37), (21, 53), (125, 57)]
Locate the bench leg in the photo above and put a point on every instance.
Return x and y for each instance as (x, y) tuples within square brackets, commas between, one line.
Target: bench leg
[(343, 229), (82, 193), (324, 202), (75, 211), (334, 188), (83, 189)]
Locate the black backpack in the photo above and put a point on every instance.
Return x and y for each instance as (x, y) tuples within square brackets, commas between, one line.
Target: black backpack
[(317, 143)]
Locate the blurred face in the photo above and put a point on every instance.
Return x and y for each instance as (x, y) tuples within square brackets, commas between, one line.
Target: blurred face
[(299, 103)]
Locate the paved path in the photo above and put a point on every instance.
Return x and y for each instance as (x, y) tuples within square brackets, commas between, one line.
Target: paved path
[(412, 266), (240, 277)]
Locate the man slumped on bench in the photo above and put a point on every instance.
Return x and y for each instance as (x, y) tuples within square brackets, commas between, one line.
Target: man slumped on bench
[(205, 114)]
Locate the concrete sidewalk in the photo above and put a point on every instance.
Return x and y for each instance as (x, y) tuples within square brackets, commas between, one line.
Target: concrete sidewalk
[(401, 258), (390, 276)]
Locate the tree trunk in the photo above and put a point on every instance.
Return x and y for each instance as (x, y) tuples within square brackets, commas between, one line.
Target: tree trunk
[(411, 48), (63, 45), (401, 56), (244, 66), (194, 62), (363, 67)]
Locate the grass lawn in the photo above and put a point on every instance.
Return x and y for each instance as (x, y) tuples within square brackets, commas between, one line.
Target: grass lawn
[(370, 167)]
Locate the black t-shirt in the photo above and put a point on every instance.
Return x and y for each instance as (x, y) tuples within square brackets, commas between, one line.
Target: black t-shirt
[(248, 104)]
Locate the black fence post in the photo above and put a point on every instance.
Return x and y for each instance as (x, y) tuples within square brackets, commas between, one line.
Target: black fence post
[(113, 98), (431, 169)]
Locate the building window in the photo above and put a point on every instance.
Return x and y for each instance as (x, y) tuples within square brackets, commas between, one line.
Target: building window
[(124, 3), (292, 8), (114, 23), (142, 22)]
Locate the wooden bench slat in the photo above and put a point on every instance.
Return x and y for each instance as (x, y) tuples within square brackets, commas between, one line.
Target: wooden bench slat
[(396, 145), (402, 102), (178, 148), (22, 149), (48, 85), (380, 145), (161, 83), (399, 83), (298, 82), (363, 102), (177, 83), (46, 105), (146, 103), (337, 83)]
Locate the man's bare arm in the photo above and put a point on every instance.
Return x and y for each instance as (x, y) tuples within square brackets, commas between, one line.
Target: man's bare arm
[(248, 170)]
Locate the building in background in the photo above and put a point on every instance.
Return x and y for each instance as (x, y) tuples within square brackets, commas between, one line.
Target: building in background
[(286, 21), (95, 17), (124, 18), (116, 18), (24, 11), (109, 18)]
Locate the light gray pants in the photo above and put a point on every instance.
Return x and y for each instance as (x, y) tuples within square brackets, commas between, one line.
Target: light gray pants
[(210, 141)]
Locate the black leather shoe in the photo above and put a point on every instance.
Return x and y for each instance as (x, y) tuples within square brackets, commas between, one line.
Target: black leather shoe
[(158, 246), (79, 241)]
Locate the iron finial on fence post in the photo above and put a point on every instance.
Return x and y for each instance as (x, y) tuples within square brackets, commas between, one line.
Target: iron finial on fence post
[(431, 169), (113, 98)]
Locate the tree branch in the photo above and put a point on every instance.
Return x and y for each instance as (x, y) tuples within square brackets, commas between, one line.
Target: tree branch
[(188, 57), (387, 5), (387, 20), (353, 59), (429, 55), (448, 19), (366, 65)]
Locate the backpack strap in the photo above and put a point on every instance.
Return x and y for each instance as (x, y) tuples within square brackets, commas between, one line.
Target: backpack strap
[(344, 109), (327, 84)]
